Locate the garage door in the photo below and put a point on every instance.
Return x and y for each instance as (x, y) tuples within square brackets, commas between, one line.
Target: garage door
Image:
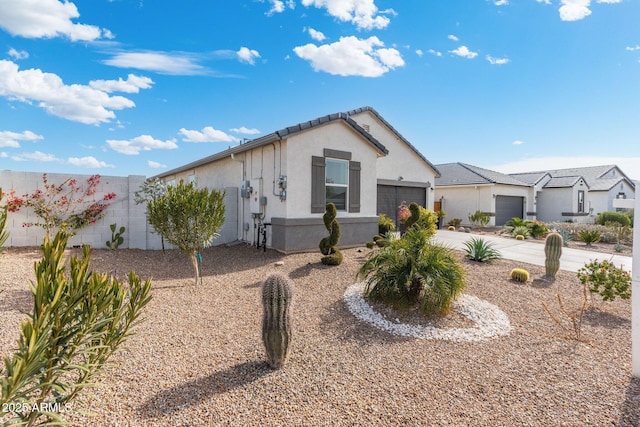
[(508, 207), (390, 197)]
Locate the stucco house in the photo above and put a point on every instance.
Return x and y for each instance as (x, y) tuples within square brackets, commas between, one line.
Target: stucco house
[(573, 194), (282, 181), (578, 194), (463, 189)]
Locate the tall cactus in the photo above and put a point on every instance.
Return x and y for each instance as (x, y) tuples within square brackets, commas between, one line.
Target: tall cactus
[(552, 251), (277, 293), (332, 255)]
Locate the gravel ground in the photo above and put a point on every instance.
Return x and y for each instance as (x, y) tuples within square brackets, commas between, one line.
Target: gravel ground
[(198, 360)]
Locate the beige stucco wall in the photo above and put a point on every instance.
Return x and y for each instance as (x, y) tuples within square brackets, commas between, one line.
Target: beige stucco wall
[(401, 159), (553, 202), (602, 201), (462, 201)]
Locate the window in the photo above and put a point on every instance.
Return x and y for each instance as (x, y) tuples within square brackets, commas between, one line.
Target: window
[(580, 200), (335, 178), (336, 182)]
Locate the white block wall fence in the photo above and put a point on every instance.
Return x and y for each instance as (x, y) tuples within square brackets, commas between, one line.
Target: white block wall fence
[(122, 210)]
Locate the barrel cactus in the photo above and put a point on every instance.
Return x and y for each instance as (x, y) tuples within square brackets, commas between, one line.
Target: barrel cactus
[(552, 251), (332, 255), (277, 293), (519, 275)]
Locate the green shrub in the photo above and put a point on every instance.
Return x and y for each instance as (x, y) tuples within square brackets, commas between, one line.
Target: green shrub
[(516, 222), (455, 222), (537, 229), (413, 271), (566, 235), (589, 236), (385, 224), (619, 217), (621, 233), (480, 250), (332, 255), (479, 219), (370, 245), (605, 279), (521, 230)]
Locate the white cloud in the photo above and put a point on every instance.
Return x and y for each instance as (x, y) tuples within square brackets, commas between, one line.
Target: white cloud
[(517, 142), (452, 37), (140, 143), (22, 54), (207, 134), (278, 6), (174, 63), (419, 52), (248, 55), (574, 10), (155, 165), (464, 52), (316, 35), (609, 1), (245, 131), (351, 56), (133, 84), (362, 13), (544, 1), (629, 165), (88, 162), (497, 61), (435, 52), (37, 156), (11, 139), (501, 2), (79, 103), (46, 19), (632, 48)]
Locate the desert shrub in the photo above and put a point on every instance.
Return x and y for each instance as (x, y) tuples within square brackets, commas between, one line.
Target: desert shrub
[(621, 233), (605, 279), (589, 236), (455, 222), (516, 222), (479, 219), (385, 224), (480, 250), (566, 235), (332, 255), (604, 217), (521, 230), (370, 245), (537, 228), (413, 271)]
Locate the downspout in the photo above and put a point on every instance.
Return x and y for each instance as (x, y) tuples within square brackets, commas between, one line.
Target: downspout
[(241, 235)]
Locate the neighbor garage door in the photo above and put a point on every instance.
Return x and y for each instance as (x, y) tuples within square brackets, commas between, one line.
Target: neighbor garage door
[(508, 207), (390, 197)]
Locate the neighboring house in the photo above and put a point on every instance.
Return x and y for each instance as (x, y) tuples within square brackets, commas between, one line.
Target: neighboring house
[(463, 189), (282, 181), (578, 194)]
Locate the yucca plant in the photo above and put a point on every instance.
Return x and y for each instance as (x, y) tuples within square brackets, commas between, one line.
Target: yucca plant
[(480, 250), (79, 320), (413, 271)]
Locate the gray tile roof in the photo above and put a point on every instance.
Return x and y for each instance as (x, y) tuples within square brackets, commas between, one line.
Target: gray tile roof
[(593, 176), (279, 135), (563, 181), (465, 174), (400, 137), (529, 177)]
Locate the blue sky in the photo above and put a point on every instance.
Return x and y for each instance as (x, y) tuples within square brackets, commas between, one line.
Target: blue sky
[(120, 87)]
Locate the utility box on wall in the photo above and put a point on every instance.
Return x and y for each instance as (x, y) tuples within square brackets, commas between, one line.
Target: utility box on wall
[(255, 204)]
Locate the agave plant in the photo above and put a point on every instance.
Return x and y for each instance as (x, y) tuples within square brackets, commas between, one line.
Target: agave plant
[(480, 250)]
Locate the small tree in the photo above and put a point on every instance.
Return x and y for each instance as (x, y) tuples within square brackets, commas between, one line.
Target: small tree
[(4, 234), (151, 190), (67, 204), (188, 218), (479, 219)]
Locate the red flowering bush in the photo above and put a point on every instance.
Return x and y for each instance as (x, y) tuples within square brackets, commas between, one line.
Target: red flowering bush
[(403, 212), (66, 204)]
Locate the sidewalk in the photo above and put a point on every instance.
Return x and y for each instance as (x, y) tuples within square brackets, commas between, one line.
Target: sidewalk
[(529, 252)]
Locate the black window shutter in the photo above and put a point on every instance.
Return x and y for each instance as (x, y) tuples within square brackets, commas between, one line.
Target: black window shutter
[(354, 186), (318, 194)]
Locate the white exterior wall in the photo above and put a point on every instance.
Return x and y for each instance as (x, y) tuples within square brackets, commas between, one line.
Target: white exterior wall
[(462, 201), (122, 210), (401, 160), (335, 136), (552, 202)]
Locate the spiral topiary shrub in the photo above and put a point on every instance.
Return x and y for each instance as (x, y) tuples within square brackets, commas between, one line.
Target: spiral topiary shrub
[(277, 294), (519, 275), (332, 255), (552, 251)]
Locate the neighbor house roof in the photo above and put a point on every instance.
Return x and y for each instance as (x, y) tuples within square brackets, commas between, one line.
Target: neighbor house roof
[(278, 136), (598, 178), (465, 174), (396, 133), (563, 181), (532, 178)]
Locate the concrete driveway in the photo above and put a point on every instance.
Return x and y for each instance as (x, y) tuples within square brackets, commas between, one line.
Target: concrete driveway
[(530, 252)]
